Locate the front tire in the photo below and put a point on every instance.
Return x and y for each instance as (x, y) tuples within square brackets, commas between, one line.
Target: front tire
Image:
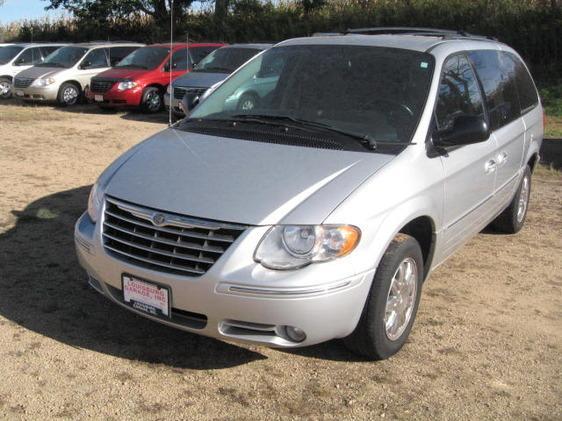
[(152, 100), (512, 219), (5, 88), (392, 304), (69, 94)]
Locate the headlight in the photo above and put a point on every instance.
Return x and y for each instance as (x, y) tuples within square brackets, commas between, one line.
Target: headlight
[(43, 82), (295, 246), (126, 85), (95, 202)]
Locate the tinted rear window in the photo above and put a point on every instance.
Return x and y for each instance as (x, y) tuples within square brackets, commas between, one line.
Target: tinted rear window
[(527, 93), (497, 74)]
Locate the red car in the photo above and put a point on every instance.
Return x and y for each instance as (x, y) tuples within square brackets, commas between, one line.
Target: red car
[(141, 78)]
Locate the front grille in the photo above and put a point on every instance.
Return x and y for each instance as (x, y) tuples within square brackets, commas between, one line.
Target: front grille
[(181, 245), (23, 82), (193, 93), (101, 85)]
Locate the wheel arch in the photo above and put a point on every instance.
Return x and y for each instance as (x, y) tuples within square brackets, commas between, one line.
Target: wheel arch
[(533, 161), (422, 229)]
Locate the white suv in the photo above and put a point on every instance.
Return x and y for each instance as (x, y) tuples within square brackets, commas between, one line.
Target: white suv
[(66, 73), (17, 57)]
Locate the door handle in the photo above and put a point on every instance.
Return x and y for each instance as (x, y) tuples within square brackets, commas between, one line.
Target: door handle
[(490, 166)]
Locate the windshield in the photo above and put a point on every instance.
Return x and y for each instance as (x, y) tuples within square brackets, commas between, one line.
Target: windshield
[(64, 57), (8, 53), (225, 60), (145, 58), (373, 94)]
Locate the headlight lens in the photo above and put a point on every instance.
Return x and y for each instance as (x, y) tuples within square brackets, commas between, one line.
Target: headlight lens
[(44, 82), (293, 246), (95, 201), (126, 85)]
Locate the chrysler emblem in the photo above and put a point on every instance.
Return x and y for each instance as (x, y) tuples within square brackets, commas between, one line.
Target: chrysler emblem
[(158, 219)]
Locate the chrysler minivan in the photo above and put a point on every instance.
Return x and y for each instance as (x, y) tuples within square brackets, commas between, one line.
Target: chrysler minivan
[(14, 58), (65, 74), (141, 78), (320, 212)]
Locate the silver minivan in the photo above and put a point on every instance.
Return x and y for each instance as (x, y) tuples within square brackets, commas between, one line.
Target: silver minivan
[(319, 212), (65, 74)]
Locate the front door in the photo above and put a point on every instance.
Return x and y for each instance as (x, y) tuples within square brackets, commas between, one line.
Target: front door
[(469, 170)]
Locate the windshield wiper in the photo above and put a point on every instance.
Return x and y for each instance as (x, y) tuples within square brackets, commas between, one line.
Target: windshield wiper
[(216, 69), (140, 66), (51, 65), (365, 139)]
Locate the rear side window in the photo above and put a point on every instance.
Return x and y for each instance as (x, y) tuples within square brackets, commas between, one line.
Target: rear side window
[(528, 97), (199, 53), (179, 60), (116, 54), (459, 93), (497, 72)]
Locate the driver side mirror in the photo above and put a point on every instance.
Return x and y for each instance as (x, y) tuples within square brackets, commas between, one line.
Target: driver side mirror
[(86, 64), (466, 130), (166, 67)]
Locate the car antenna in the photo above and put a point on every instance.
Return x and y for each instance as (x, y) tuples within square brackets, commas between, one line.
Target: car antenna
[(171, 61)]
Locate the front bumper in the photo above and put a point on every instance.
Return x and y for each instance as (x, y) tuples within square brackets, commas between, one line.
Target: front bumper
[(32, 93), (114, 98), (176, 104), (238, 299)]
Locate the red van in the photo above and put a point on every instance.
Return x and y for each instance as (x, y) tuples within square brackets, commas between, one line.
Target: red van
[(141, 78)]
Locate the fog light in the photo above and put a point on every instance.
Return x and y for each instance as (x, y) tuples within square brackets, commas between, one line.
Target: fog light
[(295, 334)]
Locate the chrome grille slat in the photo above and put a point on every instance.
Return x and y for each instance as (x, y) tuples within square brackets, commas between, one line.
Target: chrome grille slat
[(174, 255), (179, 244), (209, 249), (170, 231), (165, 265), (23, 82)]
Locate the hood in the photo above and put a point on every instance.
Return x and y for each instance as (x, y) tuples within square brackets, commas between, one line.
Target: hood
[(240, 181), (40, 72), (199, 80), (122, 73)]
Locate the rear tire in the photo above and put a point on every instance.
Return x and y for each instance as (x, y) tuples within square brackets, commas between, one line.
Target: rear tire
[(69, 94), (152, 100), (512, 219), (6, 88), (392, 304)]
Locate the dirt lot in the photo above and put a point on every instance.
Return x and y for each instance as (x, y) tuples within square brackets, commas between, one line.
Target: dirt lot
[(487, 342)]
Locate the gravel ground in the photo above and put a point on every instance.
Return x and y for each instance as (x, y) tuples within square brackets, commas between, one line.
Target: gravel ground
[(487, 343)]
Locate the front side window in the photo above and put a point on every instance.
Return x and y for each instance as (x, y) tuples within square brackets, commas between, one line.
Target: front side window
[(29, 57), (497, 74), (459, 93), (145, 58), (96, 59), (65, 57), (375, 93), (8, 53)]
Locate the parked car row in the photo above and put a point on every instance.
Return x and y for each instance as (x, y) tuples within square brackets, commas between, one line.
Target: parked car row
[(117, 75)]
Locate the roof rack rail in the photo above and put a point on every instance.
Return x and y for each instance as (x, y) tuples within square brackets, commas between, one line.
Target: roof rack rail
[(404, 30)]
